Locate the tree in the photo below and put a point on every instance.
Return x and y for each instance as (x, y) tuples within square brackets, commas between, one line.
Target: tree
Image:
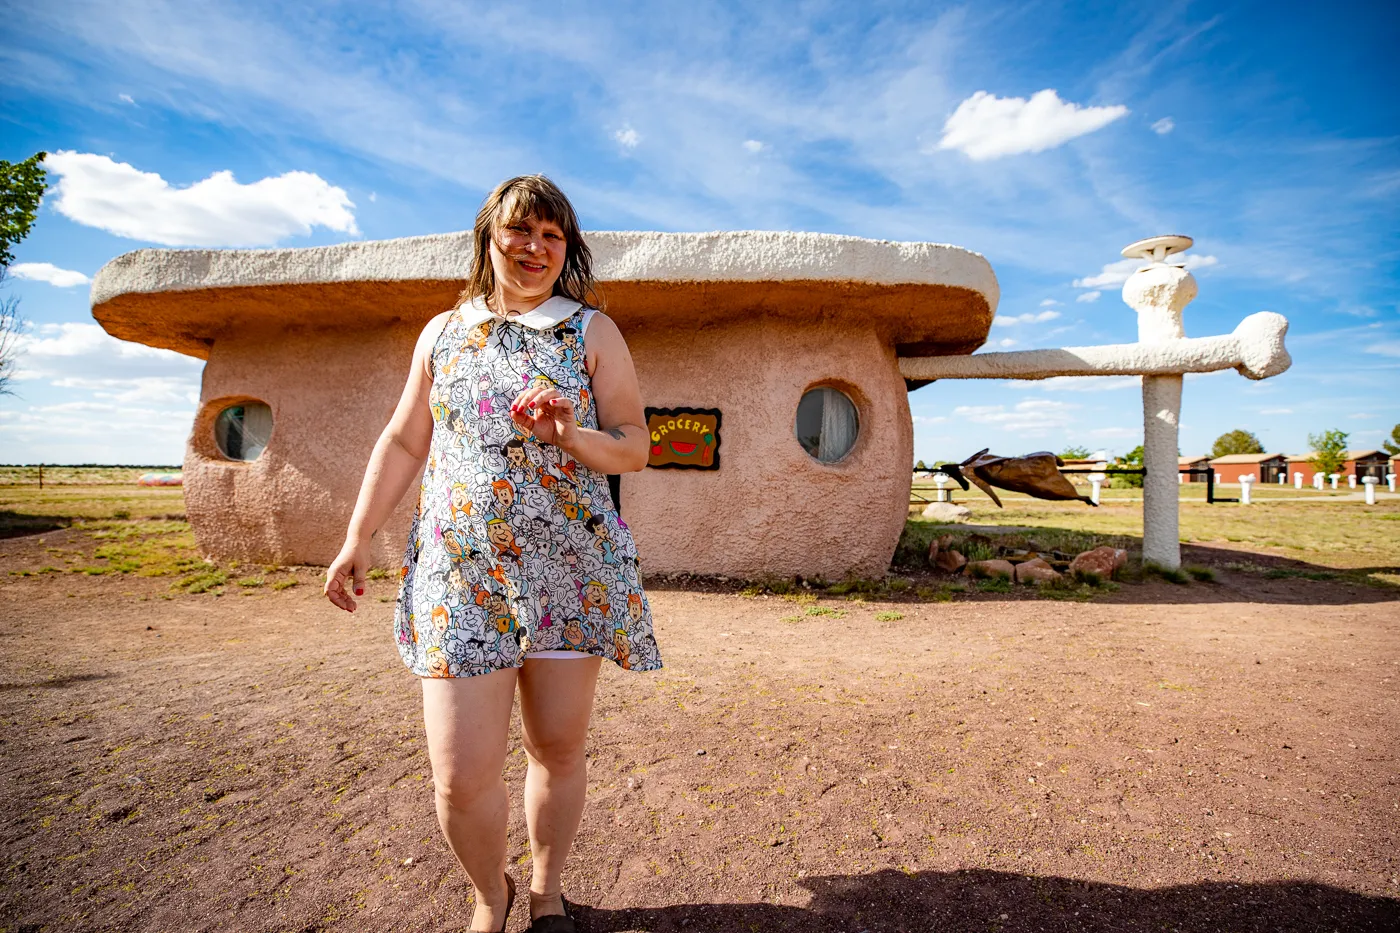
[(1392, 446), (1238, 441), (21, 190), (920, 466), (1133, 459), (1075, 453), (1329, 451)]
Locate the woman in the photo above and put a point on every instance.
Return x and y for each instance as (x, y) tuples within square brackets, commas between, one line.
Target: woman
[(504, 584)]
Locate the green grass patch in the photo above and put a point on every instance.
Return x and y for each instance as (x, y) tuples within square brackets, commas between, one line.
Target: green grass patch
[(888, 616), (378, 573), (1171, 575), (283, 584), (825, 611), (251, 582), (202, 582), (1203, 574), (994, 585)]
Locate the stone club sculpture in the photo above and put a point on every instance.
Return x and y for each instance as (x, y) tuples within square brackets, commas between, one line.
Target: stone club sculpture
[(1035, 474), (1158, 291)]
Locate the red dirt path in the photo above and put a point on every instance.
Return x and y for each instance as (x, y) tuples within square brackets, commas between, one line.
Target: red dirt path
[(255, 763)]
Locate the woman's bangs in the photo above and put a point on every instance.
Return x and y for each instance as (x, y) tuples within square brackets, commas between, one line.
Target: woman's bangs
[(522, 201)]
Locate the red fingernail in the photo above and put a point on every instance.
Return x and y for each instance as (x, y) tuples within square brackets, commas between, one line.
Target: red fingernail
[(359, 592)]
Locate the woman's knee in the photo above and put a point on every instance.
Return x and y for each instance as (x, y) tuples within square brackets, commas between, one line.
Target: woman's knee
[(464, 788), (557, 752)]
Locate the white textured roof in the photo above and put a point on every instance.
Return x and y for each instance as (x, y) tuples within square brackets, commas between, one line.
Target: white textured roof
[(744, 256)]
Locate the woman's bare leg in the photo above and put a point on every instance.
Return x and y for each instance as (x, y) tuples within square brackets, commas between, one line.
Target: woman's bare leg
[(556, 700), (467, 721)]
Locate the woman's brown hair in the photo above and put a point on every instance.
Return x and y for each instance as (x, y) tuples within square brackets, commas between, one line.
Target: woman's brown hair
[(512, 201)]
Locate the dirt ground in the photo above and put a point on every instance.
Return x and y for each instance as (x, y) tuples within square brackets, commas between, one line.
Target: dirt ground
[(1215, 757)]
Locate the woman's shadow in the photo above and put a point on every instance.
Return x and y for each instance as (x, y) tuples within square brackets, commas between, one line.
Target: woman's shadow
[(1008, 903)]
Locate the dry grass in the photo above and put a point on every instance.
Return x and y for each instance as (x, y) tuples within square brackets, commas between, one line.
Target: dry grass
[(1333, 530)]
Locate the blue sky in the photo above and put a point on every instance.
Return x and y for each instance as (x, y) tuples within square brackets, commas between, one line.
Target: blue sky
[(1046, 136)]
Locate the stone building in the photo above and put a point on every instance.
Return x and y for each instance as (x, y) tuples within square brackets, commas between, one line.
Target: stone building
[(790, 342)]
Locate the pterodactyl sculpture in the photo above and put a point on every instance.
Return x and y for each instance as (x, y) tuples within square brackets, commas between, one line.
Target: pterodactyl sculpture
[(1034, 474)]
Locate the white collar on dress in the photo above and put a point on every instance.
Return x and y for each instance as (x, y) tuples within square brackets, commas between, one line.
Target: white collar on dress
[(544, 316)]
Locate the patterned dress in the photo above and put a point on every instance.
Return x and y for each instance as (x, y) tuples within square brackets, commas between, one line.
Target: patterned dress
[(515, 547)]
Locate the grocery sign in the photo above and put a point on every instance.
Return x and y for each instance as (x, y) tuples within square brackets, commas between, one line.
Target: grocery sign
[(684, 438)]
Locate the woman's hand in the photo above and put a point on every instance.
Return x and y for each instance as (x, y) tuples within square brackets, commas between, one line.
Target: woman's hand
[(547, 415), (350, 564)]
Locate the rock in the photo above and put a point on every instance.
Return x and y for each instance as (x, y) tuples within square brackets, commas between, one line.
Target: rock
[(1035, 571), (947, 512), (991, 568), (940, 542), (1103, 562), (949, 561)]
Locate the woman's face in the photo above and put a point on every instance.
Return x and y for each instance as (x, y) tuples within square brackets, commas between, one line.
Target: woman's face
[(527, 258)]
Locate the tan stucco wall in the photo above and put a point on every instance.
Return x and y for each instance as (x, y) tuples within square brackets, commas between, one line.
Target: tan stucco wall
[(331, 394), (769, 510)]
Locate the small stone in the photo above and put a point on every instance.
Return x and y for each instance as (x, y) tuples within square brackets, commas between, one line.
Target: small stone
[(947, 512), (990, 568), (633, 783), (699, 751), (1103, 562), (1035, 570), (950, 561), (408, 862)]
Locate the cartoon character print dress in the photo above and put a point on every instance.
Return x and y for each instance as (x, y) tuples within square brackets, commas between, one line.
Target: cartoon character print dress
[(514, 547)]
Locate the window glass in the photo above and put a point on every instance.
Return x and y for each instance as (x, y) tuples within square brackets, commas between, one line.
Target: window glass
[(827, 424), (243, 430)]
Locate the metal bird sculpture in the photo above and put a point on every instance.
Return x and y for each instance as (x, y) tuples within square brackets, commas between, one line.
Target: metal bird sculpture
[(1036, 474)]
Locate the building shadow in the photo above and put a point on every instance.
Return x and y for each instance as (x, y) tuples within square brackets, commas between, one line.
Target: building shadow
[(950, 902)]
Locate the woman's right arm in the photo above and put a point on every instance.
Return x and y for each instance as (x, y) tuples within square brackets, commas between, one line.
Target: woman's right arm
[(396, 462)]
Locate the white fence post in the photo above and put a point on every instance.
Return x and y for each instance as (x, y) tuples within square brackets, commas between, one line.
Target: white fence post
[(941, 480), (1370, 482), (1390, 480), (1297, 480), (1246, 482), (1334, 477), (1351, 480)]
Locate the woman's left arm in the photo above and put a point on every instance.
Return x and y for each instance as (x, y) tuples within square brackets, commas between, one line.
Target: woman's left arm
[(620, 444)]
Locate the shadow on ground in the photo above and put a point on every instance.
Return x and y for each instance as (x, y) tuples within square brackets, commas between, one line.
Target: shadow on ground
[(18, 524), (997, 901)]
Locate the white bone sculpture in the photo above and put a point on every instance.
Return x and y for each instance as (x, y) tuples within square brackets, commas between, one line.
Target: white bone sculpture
[(1158, 291)]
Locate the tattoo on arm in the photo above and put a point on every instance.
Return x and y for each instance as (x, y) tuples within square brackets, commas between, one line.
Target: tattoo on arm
[(617, 433)]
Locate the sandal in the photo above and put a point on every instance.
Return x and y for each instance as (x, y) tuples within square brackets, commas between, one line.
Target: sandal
[(555, 923), (510, 901)]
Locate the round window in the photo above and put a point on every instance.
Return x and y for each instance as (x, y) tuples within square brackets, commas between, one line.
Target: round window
[(827, 424), (243, 430)]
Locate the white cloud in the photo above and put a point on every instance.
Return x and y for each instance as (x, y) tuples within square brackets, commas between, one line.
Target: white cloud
[(121, 402), (628, 137), (1385, 348), (1050, 303), (48, 272), (1164, 126), (1006, 320), (1275, 411), (126, 99), (1114, 432), (1089, 296), (1006, 342), (988, 127), (1088, 383), (753, 145), (96, 191), (1032, 417), (1359, 416), (84, 356), (1116, 273)]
